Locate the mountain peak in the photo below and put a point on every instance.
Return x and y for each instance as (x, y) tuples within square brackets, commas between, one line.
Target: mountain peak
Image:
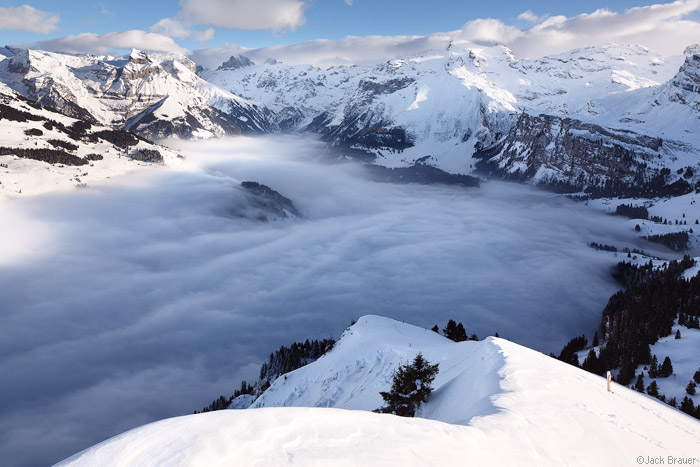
[(688, 77), (139, 57), (692, 50), (236, 62)]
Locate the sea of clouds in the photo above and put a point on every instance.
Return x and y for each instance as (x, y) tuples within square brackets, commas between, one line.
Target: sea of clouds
[(146, 297)]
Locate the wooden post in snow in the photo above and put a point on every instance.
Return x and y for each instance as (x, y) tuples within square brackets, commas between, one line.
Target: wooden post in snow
[(609, 380)]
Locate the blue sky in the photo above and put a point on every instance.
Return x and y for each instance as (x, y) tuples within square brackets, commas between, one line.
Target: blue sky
[(327, 19)]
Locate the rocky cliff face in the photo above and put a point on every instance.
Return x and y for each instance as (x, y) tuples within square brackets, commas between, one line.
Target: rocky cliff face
[(687, 82), (569, 155)]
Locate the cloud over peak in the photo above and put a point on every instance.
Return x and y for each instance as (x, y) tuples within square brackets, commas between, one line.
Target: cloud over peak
[(89, 42)]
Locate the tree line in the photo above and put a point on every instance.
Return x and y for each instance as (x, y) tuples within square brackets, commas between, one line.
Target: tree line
[(636, 318), (282, 361)]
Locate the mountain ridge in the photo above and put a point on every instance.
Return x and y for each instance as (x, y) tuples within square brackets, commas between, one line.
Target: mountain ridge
[(615, 113), (498, 399)]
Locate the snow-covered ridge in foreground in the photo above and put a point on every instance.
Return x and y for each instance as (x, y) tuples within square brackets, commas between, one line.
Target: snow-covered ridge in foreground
[(508, 405)]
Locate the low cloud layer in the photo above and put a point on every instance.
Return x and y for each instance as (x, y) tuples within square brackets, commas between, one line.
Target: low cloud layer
[(27, 18), (146, 298)]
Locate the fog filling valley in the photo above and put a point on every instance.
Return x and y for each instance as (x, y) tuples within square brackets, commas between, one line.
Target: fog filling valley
[(145, 297)]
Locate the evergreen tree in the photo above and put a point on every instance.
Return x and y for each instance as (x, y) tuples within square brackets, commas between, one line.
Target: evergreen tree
[(666, 368), (596, 339), (639, 385), (696, 376), (687, 406), (455, 331), (654, 367), (436, 329), (690, 388), (653, 389), (568, 353), (410, 388), (592, 364), (678, 334), (627, 371)]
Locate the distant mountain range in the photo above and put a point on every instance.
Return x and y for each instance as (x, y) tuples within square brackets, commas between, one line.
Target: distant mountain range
[(612, 119)]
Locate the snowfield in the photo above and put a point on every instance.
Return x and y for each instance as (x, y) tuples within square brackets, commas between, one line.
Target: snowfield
[(504, 404)]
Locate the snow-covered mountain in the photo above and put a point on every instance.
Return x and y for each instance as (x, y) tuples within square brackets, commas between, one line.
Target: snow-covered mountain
[(42, 150), (609, 119), (494, 403), (155, 95), (611, 112)]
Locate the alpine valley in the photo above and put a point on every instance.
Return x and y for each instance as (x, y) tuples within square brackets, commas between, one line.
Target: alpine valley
[(156, 207)]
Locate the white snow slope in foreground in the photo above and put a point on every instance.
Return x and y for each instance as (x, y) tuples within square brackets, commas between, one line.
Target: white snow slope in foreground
[(504, 404)]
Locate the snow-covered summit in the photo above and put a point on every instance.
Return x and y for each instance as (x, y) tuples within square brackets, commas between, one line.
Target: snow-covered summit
[(504, 405)]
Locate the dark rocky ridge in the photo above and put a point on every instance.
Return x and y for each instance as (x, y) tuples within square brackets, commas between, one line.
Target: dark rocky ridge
[(266, 203), (236, 62), (421, 174)]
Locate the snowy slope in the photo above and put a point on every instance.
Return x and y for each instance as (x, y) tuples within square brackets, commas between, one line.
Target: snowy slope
[(504, 405), (93, 158), (684, 356)]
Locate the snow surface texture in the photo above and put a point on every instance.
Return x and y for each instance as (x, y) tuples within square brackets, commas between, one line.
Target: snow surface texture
[(504, 404)]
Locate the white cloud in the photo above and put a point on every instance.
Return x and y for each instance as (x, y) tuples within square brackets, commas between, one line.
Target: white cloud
[(489, 30), (529, 16), (275, 15), (27, 18), (324, 53), (88, 42), (104, 10), (171, 28), (205, 35), (662, 28), (348, 2)]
